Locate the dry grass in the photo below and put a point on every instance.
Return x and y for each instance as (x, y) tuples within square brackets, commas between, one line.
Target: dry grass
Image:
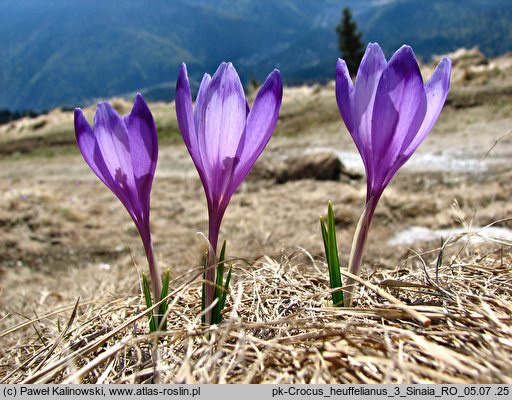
[(279, 327)]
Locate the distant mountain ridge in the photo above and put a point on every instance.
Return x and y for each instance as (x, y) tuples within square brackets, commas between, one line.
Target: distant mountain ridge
[(63, 53)]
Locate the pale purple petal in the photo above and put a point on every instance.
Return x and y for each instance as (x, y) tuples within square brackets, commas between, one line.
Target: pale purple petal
[(224, 116), (200, 108), (224, 122), (367, 80), (261, 122), (200, 126), (399, 110), (230, 136)]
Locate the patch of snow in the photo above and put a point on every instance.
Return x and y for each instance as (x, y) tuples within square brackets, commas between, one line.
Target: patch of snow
[(474, 234), (419, 162)]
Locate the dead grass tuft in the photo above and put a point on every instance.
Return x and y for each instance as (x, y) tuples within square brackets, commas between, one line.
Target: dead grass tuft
[(447, 320)]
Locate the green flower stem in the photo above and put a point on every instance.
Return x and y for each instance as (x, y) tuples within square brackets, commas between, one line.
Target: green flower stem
[(358, 245), (156, 279), (210, 275)]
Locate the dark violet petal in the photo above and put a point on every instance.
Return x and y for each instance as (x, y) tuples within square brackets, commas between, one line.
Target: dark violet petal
[(224, 115), (261, 122), (87, 143), (344, 94), (143, 138), (436, 91), (184, 112), (143, 141), (399, 110)]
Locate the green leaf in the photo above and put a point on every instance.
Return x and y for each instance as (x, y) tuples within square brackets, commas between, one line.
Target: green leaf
[(162, 309), (149, 303), (220, 272), (217, 309), (325, 237), (222, 301), (331, 255)]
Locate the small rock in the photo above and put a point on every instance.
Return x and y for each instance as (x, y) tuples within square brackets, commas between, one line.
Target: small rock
[(323, 166)]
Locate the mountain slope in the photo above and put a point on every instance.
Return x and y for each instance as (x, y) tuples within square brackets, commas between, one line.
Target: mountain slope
[(436, 27), (63, 53)]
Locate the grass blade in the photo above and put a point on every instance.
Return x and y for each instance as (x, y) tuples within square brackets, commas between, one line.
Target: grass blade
[(162, 309), (217, 309), (222, 300), (331, 254), (149, 303)]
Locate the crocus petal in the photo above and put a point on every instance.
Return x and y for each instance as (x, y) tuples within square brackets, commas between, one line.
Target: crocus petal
[(436, 91), (143, 141), (367, 80), (362, 99), (261, 122), (190, 123), (228, 135), (88, 144), (114, 145), (224, 116), (200, 109), (344, 95), (184, 113), (142, 137), (399, 110)]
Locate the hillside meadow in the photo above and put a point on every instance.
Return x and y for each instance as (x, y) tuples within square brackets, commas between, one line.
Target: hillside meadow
[(434, 303)]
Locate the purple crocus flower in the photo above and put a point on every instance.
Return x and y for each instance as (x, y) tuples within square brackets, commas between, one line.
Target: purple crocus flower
[(224, 138), (123, 152), (389, 112)]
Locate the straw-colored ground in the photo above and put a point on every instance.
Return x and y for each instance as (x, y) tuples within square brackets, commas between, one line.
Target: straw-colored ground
[(446, 325), (65, 240)]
